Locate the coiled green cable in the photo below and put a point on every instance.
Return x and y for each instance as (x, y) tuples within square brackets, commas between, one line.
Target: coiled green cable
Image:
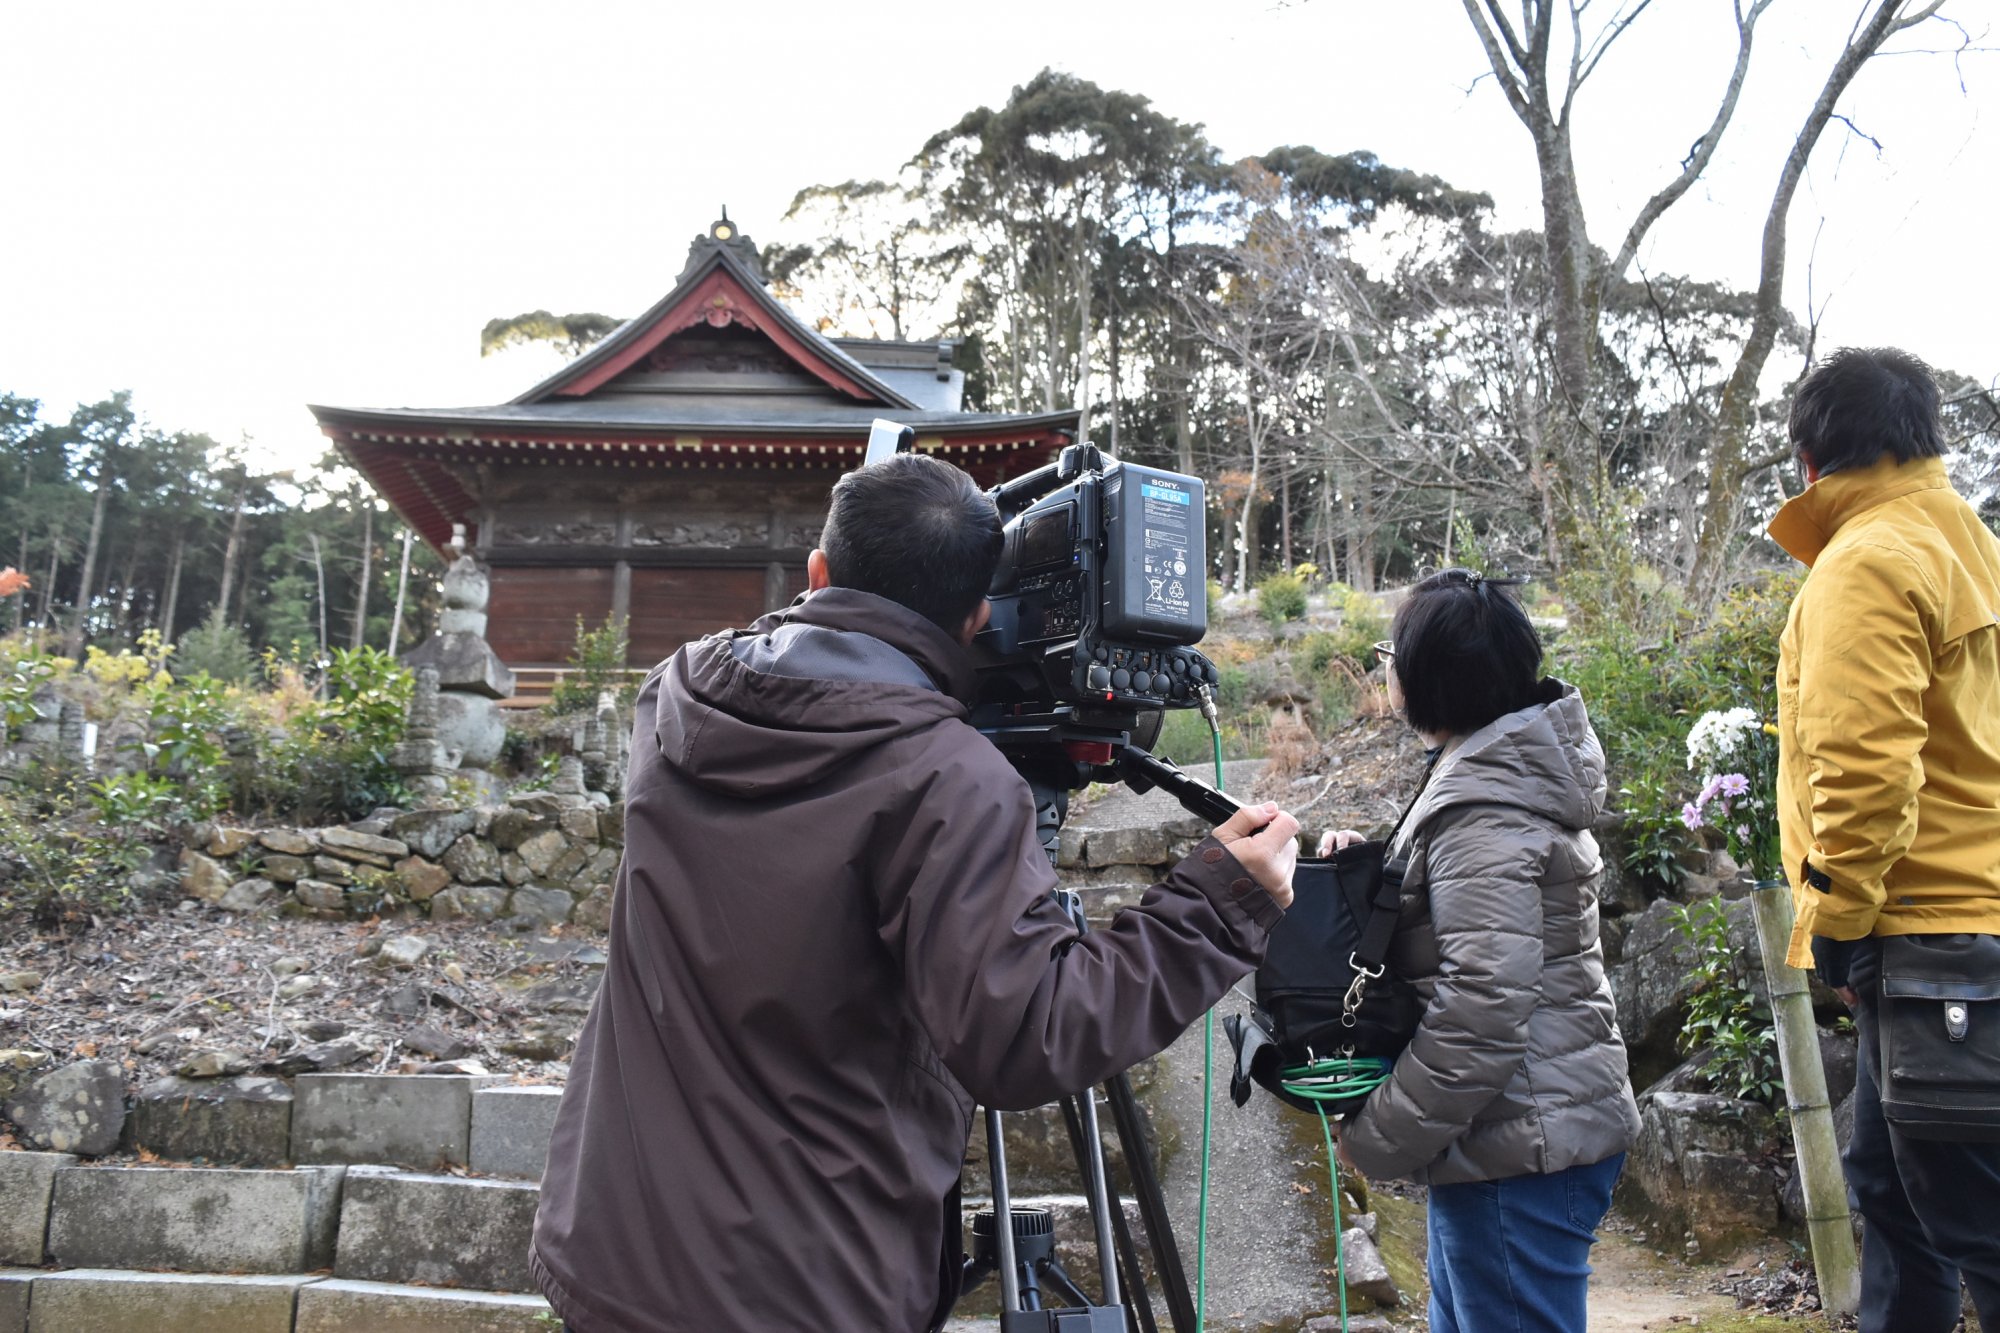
[(1336, 1080)]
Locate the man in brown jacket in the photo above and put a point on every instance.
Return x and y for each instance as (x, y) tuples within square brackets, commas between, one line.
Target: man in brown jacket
[(834, 935)]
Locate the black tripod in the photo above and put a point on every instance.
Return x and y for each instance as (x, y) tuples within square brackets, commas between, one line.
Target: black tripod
[(1023, 1253)]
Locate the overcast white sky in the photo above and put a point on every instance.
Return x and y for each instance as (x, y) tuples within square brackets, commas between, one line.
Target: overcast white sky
[(235, 209)]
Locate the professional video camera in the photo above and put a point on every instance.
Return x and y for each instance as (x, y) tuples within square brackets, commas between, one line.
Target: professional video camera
[(1100, 593)]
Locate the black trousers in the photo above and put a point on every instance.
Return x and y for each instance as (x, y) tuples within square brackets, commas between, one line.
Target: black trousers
[(1928, 1207)]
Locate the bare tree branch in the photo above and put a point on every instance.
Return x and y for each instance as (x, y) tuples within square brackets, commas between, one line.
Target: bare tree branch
[(1740, 395), (1704, 151), (1858, 132), (1920, 16), (1497, 57), (1612, 32)]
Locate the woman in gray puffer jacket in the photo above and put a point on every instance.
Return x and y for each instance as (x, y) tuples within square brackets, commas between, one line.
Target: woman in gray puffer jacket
[(1512, 1101)]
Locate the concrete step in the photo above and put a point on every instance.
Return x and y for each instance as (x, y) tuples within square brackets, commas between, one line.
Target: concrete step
[(422, 1121), (26, 1180), (228, 1122), (340, 1306), (16, 1285), (510, 1130), (406, 1226), (218, 1219), (103, 1300)]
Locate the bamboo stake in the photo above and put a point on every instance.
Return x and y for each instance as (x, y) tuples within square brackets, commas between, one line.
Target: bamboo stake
[(1827, 1222)]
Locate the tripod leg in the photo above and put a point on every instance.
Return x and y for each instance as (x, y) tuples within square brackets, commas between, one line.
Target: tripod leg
[(1003, 1213), (1139, 1316), (1101, 1202), (1152, 1204), (1059, 1278)]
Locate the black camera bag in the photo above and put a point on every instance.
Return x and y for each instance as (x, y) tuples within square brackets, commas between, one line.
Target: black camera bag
[(1325, 989), (1940, 1036)]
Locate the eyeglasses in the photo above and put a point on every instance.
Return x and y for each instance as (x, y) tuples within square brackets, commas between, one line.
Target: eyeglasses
[(1385, 650)]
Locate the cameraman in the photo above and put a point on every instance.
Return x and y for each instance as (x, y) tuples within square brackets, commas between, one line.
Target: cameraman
[(833, 934)]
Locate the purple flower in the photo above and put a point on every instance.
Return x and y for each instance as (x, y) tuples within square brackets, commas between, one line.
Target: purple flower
[(1691, 815), (1709, 791), (1743, 832), (1734, 784)]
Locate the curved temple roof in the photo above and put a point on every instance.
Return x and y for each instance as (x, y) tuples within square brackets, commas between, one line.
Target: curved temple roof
[(716, 374)]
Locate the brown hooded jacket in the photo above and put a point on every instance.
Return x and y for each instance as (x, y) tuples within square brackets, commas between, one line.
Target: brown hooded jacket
[(833, 934)]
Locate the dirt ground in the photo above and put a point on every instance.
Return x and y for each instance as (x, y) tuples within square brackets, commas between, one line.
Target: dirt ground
[(1634, 1287), (1359, 775), (206, 993)]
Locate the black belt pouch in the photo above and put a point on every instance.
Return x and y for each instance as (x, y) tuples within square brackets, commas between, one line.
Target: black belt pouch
[(1940, 1035)]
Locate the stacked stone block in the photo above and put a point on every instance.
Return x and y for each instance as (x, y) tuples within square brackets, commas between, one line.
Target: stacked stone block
[(543, 857)]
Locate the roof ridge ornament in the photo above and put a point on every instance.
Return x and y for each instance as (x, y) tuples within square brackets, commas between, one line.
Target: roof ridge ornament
[(722, 234)]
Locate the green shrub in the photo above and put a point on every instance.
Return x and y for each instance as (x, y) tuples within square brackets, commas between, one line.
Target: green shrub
[(1313, 653), (1362, 625), (140, 800), (334, 760), (597, 664), (18, 683), (1724, 1015), (53, 865), (189, 717), (1184, 738), (217, 649), (1644, 683), (1281, 597)]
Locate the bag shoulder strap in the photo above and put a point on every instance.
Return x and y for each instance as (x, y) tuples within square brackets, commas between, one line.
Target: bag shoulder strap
[(1386, 906)]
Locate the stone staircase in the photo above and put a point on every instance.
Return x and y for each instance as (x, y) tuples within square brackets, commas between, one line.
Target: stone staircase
[(393, 1204)]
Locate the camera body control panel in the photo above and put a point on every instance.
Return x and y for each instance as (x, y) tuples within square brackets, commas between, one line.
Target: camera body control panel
[(1140, 674)]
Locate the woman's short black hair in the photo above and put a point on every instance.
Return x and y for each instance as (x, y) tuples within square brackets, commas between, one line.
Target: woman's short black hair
[(1863, 402), (917, 531), (1466, 652)]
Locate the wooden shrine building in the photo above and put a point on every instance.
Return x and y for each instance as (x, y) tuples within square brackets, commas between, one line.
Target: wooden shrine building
[(676, 473)]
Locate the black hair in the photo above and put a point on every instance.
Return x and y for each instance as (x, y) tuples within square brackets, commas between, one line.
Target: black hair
[(1862, 402), (1466, 652), (917, 531)]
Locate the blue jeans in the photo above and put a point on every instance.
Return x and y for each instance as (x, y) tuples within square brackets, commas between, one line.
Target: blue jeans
[(1513, 1255)]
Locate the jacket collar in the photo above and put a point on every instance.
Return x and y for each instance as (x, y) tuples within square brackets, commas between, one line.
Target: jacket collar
[(943, 658), (1808, 521)]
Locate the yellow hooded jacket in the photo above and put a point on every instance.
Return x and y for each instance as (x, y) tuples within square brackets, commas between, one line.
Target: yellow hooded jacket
[(1889, 708)]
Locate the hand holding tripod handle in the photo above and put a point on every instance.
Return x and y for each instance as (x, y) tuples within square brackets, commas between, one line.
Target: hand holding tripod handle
[(1264, 839)]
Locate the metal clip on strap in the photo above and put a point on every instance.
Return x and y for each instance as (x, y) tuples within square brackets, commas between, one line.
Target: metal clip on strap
[(1350, 1004)]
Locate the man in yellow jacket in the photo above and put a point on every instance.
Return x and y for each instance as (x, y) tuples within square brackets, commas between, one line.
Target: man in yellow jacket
[(1889, 785)]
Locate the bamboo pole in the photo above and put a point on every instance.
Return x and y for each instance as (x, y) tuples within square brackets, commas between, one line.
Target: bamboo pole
[(1827, 1222)]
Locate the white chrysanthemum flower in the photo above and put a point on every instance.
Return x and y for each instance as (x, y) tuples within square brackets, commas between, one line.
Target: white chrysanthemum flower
[(1715, 736)]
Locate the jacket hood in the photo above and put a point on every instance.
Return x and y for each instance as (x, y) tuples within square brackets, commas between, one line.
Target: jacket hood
[(781, 705), (1544, 758)]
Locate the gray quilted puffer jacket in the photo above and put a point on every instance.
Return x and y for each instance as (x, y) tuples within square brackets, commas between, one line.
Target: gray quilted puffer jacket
[(1517, 1067)]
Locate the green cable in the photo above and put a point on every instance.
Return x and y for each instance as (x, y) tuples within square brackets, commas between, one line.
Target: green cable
[(1339, 1236), (1338, 1080), (1207, 1089)]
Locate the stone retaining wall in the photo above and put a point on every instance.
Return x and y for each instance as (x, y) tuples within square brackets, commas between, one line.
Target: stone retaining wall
[(543, 858)]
